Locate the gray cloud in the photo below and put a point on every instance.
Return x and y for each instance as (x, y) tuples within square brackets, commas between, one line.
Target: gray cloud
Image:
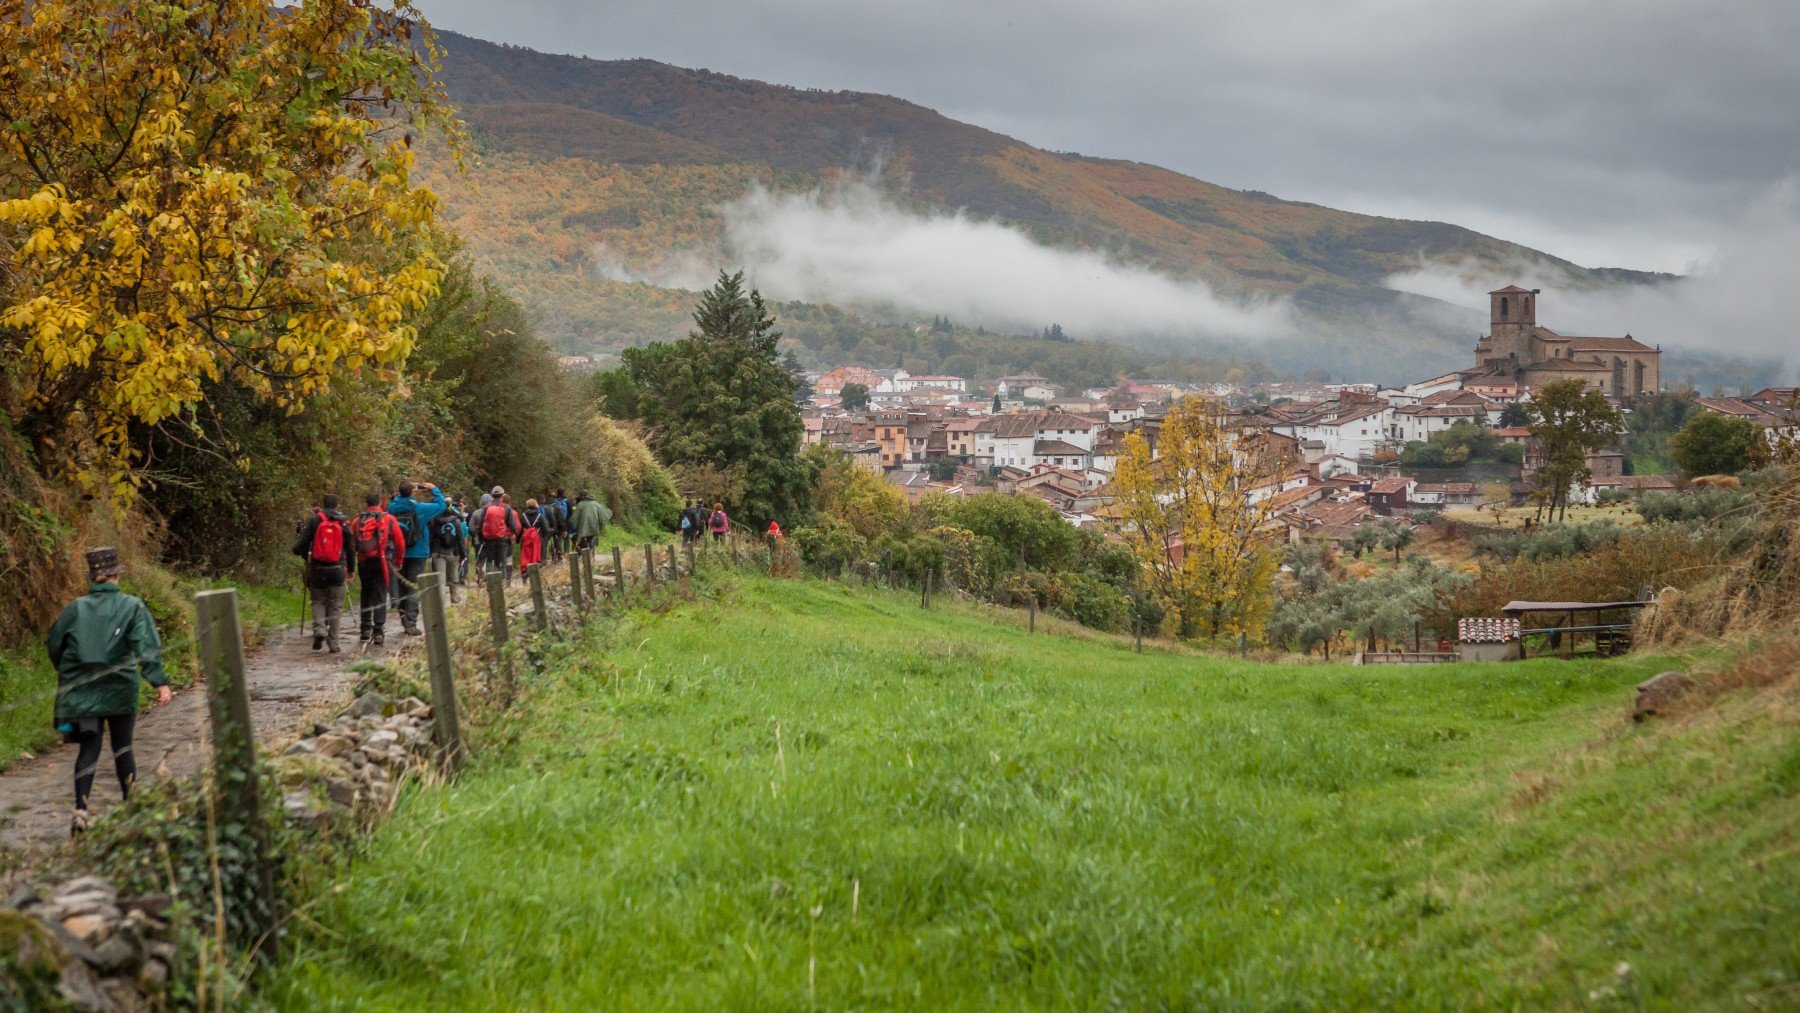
[(1615, 132), (852, 245), (1738, 301)]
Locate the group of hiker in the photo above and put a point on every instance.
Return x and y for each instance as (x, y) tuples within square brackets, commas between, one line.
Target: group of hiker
[(105, 643), (394, 541)]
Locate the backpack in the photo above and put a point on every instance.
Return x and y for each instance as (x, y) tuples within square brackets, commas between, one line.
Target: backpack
[(328, 542), (496, 524), (687, 520), (446, 534), (409, 527), (370, 532)]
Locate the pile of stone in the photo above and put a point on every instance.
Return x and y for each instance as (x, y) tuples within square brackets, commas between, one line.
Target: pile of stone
[(351, 764), (89, 947)]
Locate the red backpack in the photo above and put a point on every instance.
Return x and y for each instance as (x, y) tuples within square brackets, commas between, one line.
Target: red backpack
[(328, 542), (370, 532), (496, 523)]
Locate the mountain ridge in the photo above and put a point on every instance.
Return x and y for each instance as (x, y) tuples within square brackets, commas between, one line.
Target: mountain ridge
[(645, 118)]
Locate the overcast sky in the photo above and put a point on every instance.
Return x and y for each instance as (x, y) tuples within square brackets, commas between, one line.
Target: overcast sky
[(1628, 133)]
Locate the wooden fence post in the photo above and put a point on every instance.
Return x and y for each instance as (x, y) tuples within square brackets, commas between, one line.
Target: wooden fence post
[(649, 567), (540, 608), (445, 719), (496, 585), (734, 547), (1031, 621), (587, 574), (674, 564), (692, 567), (925, 590), (618, 572), (237, 780), (575, 582)]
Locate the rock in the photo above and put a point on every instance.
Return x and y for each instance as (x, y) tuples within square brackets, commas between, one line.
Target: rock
[(1657, 694), (320, 728), (359, 760), (415, 707), (378, 742), (84, 885), (154, 975), (41, 969), (300, 747), (89, 928), (368, 705), (333, 745), (118, 953), (162, 950), (341, 791), (153, 905), (23, 897)]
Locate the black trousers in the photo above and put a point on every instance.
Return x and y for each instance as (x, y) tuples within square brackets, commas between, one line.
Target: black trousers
[(496, 554), (411, 569), (88, 732), (373, 599)]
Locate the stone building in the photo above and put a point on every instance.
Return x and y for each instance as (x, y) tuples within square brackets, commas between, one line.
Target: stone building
[(1517, 349)]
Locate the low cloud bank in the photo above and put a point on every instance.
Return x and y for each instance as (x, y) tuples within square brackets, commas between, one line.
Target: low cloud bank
[(853, 245), (1739, 301)]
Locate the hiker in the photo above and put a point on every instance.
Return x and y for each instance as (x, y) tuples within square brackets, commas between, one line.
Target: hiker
[(102, 645), (447, 548), (415, 520), (690, 522), (720, 524), (567, 535), (497, 524), (533, 536), (325, 543), (462, 543), (589, 517), (380, 551), (774, 533)]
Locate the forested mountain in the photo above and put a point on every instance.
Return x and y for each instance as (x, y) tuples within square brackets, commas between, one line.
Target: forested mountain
[(595, 175)]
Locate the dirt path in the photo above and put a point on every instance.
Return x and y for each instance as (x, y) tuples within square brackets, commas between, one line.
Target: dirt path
[(288, 681)]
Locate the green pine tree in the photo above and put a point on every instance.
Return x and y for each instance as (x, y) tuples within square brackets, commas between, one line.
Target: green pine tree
[(719, 401)]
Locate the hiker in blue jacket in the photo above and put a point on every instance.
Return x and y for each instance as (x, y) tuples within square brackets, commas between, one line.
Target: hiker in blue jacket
[(415, 521)]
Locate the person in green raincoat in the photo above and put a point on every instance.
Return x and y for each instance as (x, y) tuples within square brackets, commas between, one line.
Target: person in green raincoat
[(103, 645), (589, 518)]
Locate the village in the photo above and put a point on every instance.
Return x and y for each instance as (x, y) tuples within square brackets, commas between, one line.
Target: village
[(1344, 444)]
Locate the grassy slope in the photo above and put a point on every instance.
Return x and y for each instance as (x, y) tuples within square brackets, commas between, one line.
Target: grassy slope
[(818, 792)]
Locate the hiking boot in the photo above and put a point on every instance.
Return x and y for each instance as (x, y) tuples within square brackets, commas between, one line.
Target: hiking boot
[(79, 824), (335, 649), (318, 642), (411, 631), (378, 640), (364, 636)]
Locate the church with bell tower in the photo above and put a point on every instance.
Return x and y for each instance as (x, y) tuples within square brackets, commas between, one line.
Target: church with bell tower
[(1516, 348)]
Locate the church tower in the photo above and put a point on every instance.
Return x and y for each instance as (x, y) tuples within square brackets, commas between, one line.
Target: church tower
[(1512, 324)]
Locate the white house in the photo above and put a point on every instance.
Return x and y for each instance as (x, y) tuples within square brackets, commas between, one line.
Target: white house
[(1015, 436), (905, 384), (1356, 429)]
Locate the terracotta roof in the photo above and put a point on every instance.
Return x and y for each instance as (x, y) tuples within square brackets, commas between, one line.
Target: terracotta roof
[(1335, 514), (1016, 424), (1511, 290), (1624, 344), (1389, 486), (1056, 448)]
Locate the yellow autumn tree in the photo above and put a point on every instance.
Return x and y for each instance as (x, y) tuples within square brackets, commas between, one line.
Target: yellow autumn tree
[(191, 192), (1198, 515)]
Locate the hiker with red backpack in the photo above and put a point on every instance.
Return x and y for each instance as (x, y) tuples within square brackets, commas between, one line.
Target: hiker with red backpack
[(380, 549), (535, 533), (718, 522), (498, 525), (325, 545), (415, 520)]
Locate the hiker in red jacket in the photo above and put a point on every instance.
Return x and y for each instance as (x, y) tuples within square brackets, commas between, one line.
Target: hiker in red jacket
[(325, 545), (380, 547)]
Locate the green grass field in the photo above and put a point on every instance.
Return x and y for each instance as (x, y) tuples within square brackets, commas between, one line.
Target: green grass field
[(801, 795)]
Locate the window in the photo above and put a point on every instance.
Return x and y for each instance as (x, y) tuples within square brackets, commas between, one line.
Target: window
[(1503, 307)]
